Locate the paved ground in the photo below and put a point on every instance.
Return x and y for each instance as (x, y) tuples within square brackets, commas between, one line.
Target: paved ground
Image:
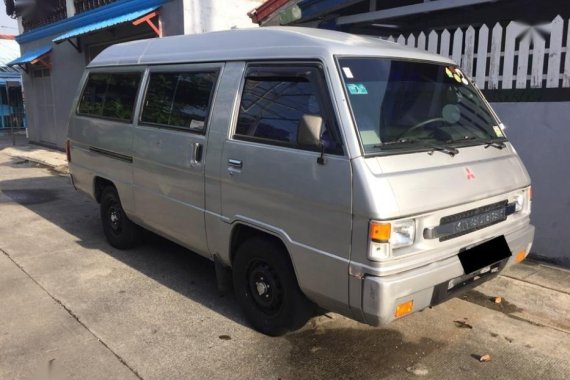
[(74, 307)]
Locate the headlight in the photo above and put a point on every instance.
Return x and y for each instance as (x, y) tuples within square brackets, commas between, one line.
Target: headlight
[(403, 233), (385, 237), (519, 203), (523, 201)]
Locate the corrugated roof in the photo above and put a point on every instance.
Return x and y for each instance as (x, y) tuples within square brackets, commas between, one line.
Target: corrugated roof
[(105, 24), (31, 55), (103, 13)]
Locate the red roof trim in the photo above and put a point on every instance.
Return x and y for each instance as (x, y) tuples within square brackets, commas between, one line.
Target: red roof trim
[(265, 10)]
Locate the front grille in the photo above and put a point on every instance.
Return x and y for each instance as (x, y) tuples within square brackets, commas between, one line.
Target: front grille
[(465, 222)]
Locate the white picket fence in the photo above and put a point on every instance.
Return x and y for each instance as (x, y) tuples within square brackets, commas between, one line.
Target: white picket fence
[(518, 56)]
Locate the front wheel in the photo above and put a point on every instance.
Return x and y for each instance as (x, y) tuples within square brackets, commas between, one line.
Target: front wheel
[(119, 230), (266, 288)]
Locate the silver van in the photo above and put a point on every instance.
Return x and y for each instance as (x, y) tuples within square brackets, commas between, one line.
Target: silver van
[(313, 167)]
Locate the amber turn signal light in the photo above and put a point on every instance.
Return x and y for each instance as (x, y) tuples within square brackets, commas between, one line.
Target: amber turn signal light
[(520, 256), (530, 193), (404, 309), (380, 232)]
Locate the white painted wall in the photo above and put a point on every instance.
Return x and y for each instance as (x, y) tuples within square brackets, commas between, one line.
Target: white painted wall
[(211, 15), (540, 133)]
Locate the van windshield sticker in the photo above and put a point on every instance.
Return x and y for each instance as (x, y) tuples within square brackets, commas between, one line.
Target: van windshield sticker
[(357, 89), (369, 138), (348, 72), (455, 73), (498, 131)]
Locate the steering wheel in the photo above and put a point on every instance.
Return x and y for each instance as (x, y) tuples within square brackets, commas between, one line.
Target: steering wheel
[(421, 125)]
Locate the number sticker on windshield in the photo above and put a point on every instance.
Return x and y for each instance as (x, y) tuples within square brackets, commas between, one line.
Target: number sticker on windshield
[(498, 131), (348, 72), (357, 89)]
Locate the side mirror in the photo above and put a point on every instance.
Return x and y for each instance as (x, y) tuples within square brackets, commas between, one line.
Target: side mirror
[(309, 133)]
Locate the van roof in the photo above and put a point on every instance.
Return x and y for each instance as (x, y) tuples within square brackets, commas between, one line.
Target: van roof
[(255, 43)]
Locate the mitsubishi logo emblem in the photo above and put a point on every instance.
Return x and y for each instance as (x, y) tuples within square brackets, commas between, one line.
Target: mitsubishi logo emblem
[(470, 174)]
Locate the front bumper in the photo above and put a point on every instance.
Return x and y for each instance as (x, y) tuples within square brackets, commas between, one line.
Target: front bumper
[(428, 285)]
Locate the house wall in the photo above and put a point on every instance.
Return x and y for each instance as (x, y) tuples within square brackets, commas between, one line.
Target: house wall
[(49, 99), (212, 15), (539, 131)]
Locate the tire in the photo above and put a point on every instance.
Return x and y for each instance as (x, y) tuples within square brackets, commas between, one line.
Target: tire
[(120, 232), (266, 288)]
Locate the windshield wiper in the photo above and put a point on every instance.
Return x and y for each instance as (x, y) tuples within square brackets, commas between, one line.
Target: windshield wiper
[(443, 149), (432, 148), (495, 144), (388, 143)]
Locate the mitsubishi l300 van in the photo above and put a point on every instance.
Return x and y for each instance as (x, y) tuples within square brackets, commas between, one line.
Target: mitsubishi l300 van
[(313, 167)]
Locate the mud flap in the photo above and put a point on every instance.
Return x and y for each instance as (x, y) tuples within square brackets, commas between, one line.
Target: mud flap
[(223, 276)]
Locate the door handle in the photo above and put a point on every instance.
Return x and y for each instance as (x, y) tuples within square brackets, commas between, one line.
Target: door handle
[(234, 166), (196, 154), (235, 163)]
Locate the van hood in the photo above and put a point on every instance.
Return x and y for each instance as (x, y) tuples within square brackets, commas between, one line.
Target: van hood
[(422, 182)]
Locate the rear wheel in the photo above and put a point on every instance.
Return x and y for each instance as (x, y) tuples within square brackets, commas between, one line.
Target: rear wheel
[(119, 230), (266, 288)]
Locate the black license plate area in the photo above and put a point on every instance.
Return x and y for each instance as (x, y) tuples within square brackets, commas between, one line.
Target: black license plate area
[(484, 254)]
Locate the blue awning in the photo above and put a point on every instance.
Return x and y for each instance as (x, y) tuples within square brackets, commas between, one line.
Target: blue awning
[(30, 56), (104, 24)]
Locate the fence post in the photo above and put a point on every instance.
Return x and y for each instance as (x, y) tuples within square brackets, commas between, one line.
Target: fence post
[(555, 53), (411, 42), (566, 76), (432, 42), (481, 71), (469, 51), (513, 30), (522, 66), (401, 40), (422, 41), (445, 39), (457, 46), (495, 64), (537, 60)]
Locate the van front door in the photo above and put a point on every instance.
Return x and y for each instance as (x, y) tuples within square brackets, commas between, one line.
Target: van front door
[(271, 180), (170, 150)]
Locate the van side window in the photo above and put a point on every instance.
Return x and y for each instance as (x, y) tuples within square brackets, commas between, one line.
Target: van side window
[(110, 95), (273, 104), (179, 99)]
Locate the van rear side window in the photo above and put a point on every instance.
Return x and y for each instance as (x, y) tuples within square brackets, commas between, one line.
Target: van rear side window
[(179, 99), (110, 95)]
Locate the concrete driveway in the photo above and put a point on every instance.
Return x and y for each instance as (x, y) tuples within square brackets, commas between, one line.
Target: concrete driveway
[(73, 307)]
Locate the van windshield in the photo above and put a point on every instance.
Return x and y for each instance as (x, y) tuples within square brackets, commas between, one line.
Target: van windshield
[(404, 106)]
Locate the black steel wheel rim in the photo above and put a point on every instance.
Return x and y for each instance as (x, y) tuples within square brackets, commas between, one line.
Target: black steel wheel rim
[(114, 216), (265, 287)]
